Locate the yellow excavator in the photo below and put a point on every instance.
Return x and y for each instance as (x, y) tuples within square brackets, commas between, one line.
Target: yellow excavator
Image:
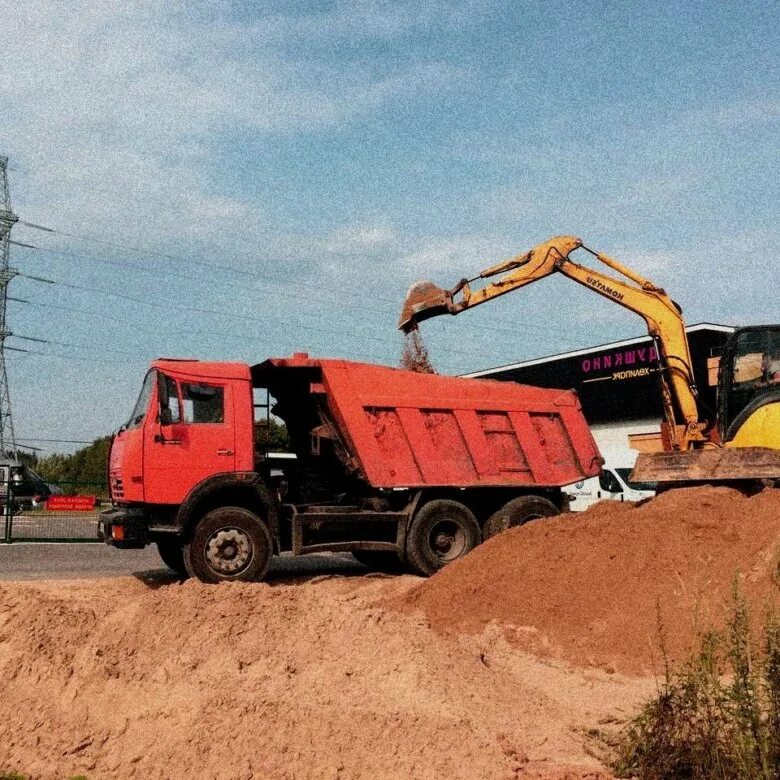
[(739, 444)]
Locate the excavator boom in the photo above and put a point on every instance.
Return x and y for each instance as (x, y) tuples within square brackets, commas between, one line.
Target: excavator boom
[(683, 425), (692, 446)]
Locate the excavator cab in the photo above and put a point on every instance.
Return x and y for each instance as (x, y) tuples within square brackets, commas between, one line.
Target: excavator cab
[(749, 384)]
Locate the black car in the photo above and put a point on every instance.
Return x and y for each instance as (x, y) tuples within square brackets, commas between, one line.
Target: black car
[(27, 488)]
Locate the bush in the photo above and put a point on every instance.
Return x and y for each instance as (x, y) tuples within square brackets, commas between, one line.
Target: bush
[(718, 716)]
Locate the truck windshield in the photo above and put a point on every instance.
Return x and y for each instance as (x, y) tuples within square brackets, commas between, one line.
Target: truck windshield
[(141, 405), (626, 473)]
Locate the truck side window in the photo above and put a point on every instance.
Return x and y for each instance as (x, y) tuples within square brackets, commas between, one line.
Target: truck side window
[(203, 403), (608, 481)]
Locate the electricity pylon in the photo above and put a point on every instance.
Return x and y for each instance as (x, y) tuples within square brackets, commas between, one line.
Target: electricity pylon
[(7, 220)]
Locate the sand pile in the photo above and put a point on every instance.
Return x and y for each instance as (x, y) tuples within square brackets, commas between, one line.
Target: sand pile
[(120, 679), (590, 587)]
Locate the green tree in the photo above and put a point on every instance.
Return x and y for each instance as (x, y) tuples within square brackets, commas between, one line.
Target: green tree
[(272, 436), (81, 471)]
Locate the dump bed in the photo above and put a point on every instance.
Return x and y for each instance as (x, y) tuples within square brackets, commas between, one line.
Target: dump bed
[(403, 429)]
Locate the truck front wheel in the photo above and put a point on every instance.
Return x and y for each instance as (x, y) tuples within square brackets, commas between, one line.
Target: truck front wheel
[(229, 544), (441, 532), (518, 511)]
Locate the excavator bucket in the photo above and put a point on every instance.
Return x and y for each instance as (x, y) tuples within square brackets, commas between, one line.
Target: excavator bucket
[(423, 301), (716, 465)]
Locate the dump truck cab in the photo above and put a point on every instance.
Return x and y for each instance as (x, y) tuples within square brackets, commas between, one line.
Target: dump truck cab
[(396, 467)]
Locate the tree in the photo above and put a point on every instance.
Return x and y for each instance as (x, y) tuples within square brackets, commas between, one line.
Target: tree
[(82, 471), (272, 436)]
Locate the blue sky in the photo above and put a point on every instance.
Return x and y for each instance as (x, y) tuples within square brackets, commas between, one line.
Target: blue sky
[(331, 154)]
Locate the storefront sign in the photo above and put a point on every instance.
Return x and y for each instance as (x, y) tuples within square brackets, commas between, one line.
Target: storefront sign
[(623, 359)]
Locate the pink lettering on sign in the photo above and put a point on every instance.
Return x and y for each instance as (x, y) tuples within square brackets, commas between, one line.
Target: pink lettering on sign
[(626, 357)]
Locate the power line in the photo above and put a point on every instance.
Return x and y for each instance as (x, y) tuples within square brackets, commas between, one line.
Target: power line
[(232, 269), (29, 338), (56, 441), (319, 327)]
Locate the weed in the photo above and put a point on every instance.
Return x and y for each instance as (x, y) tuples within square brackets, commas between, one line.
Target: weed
[(718, 716)]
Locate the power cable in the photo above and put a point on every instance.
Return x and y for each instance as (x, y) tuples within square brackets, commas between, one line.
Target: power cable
[(224, 313), (219, 266), (55, 441)]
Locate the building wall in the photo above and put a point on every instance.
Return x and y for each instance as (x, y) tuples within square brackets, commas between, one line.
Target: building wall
[(612, 439)]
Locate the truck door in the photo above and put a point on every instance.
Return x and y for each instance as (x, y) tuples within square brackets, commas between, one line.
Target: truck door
[(196, 441)]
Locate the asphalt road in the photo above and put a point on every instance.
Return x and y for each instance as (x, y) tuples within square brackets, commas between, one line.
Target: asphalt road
[(30, 561)]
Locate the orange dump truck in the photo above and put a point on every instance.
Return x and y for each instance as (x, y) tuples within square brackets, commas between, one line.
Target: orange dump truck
[(391, 465)]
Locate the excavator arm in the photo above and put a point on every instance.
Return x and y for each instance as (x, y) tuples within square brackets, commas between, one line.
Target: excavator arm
[(684, 428)]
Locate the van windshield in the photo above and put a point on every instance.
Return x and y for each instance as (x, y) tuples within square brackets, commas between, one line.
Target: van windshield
[(626, 473), (142, 404)]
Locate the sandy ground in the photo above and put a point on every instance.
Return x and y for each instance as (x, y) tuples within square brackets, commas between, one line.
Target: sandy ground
[(317, 678), (500, 666)]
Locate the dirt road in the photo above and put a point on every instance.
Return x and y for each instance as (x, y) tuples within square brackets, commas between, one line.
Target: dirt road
[(23, 561)]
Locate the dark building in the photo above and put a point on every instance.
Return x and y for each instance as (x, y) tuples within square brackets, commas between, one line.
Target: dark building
[(618, 382)]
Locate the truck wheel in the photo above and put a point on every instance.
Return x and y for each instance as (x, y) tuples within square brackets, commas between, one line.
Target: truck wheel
[(441, 532), (229, 543), (518, 511), (172, 554)]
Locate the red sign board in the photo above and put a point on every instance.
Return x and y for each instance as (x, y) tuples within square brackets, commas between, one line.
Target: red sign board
[(71, 503)]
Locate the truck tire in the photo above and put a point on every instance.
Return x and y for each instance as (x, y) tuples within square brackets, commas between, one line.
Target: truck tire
[(172, 554), (518, 511), (441, 532), (379, 560), (229, 544)]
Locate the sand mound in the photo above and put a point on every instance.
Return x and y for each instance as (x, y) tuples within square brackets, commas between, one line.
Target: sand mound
[(114, 679), (590, 587)]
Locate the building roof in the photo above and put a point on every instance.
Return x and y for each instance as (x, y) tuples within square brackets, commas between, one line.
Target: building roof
[(699, 326)]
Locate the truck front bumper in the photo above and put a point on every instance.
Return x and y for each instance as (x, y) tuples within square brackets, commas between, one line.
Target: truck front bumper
[(124, 527)]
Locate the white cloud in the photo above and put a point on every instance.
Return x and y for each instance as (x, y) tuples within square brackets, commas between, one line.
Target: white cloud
[(464, 255), (117, 113), (743, 113), (360, 237)]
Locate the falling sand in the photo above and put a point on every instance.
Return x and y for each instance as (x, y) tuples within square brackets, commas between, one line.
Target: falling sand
[(414, 356)]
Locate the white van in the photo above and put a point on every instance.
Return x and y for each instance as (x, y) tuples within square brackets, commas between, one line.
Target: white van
[(612, 484)]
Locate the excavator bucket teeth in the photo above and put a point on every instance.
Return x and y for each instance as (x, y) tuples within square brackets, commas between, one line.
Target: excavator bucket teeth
[(423, 301), (716, 465)]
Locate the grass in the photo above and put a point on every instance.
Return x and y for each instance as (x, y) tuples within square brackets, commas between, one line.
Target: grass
[(718, 716), (17, 776)]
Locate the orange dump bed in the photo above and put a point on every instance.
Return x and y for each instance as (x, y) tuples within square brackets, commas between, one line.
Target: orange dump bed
[(403, 429)]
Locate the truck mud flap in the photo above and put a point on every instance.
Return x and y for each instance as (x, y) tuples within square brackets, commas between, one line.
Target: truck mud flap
[(716, 465)]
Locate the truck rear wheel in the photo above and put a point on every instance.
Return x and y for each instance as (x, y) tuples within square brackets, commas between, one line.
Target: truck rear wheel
[(518, 511), (441, 532), (172, 554), (229, 544)]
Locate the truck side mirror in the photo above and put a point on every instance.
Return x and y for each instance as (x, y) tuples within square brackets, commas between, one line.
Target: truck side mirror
[(163, 400)]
